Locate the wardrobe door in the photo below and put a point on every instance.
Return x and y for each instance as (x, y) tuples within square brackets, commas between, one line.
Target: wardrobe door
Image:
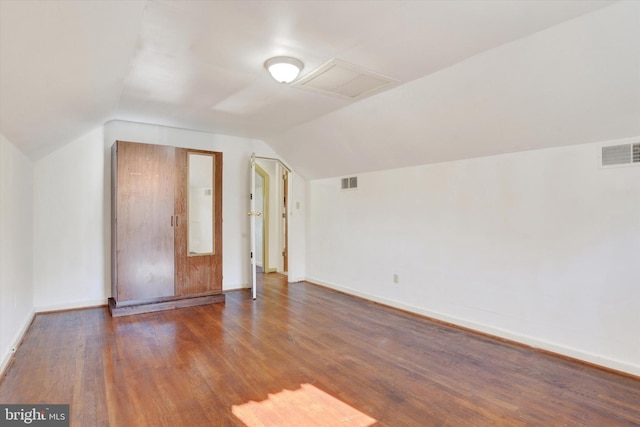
[(145, 221), (199, 228)]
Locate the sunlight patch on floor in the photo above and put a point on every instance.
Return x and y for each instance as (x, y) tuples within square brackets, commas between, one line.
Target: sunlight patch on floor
[(308, 406)]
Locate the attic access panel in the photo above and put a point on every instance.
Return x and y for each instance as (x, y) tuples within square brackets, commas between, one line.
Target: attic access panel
[(343, 80)]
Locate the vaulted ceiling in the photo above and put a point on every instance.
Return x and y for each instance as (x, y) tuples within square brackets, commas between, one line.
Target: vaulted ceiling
[(475, 77)]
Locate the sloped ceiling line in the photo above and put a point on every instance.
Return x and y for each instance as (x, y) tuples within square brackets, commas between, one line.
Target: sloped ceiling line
[(478, 76)]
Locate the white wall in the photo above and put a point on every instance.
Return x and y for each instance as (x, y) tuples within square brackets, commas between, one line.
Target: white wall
[(298, 191), (71, 261), (16, 246), (539, 246)]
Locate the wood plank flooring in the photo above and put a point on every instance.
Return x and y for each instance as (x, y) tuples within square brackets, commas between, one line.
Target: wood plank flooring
[(198, 366)]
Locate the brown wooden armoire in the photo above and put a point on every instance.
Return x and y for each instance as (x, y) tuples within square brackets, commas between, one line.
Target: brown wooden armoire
[(166, 228)]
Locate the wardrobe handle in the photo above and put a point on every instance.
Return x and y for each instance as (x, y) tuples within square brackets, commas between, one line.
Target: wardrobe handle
[(172, 220)]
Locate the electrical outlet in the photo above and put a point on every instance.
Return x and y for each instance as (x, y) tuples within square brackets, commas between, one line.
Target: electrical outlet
[(395, 278)]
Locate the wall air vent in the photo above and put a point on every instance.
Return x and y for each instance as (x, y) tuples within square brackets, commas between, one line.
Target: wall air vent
[(344, 80), (349, 183), (620, 155)]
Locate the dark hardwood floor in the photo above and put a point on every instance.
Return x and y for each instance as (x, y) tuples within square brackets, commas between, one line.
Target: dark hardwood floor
[(201, 366)]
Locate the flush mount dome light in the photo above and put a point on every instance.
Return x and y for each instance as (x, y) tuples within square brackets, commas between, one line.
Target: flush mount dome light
[(284, 68)]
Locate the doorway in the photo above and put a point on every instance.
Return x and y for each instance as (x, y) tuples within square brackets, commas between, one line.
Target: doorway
[(271, 180), (262, 228)]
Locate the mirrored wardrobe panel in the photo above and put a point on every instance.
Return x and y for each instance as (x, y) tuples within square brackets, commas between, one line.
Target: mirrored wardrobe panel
[(201, 205)]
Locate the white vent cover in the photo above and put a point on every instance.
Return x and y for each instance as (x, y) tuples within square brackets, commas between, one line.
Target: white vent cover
[(349, 183), (344, 80), (619, 155)]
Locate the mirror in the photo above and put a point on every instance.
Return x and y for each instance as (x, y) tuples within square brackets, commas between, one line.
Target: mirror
[(201, 203)]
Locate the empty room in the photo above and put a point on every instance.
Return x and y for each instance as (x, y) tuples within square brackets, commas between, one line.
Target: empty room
[(320, 213)]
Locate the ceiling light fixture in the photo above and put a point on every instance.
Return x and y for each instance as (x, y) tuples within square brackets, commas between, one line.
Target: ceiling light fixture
[(284, 69)]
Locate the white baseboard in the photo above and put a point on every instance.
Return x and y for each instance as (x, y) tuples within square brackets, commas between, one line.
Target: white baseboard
[(235, 287), (71, 305), (6, 358), (239, 288), (293, 279), (595, 359)]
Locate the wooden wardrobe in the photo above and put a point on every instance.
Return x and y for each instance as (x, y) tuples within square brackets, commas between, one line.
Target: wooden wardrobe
[(166, 228)]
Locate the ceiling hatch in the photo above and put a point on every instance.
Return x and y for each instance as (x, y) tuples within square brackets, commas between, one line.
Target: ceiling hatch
[(344, 80)]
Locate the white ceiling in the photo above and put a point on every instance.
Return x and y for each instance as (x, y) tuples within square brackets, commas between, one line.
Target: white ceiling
[(476, 77)]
